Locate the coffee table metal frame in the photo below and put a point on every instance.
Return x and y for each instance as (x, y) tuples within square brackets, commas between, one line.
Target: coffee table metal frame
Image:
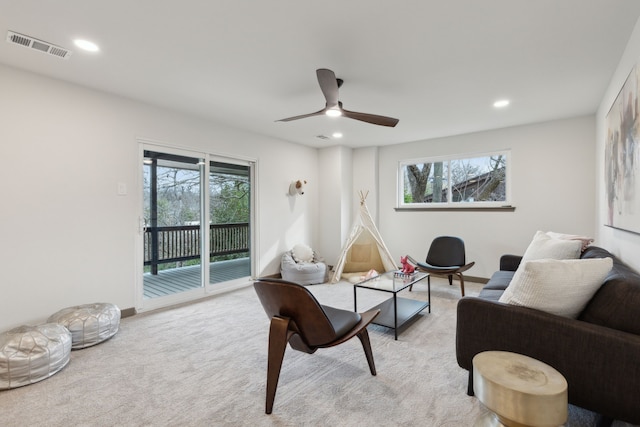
[(395, 311)]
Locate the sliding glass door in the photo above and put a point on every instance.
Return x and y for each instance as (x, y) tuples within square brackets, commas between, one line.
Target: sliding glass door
[(229, 221), (184, 256), (172, 193)]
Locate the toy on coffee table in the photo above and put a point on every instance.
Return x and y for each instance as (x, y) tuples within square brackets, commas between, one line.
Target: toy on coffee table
[(408, 271)]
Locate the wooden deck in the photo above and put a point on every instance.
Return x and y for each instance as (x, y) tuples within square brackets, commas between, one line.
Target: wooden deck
[(168, 282)]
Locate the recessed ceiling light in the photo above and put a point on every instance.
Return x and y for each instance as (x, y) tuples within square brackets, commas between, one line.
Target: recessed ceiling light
[(86, 45), (337, 135), (501, 103)]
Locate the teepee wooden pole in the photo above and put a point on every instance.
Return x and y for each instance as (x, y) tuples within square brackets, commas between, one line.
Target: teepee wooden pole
[(363, 196)]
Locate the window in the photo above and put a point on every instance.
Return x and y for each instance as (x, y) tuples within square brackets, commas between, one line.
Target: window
[(455, 182)]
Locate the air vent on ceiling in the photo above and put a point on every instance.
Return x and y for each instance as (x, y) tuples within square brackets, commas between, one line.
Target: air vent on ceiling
[(39, 45), (322, 136)]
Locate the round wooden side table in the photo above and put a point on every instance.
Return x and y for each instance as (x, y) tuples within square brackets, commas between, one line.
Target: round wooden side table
[(519, 391)]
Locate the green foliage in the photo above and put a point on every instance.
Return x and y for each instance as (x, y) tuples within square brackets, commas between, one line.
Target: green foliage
[(172, 198), (178, 197), (229, 198)]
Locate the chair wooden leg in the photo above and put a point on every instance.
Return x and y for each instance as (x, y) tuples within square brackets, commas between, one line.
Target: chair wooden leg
[(461, 283), (366, 344), (278, 334)]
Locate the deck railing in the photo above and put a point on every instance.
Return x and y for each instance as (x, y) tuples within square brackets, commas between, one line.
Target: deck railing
[(182, 243)]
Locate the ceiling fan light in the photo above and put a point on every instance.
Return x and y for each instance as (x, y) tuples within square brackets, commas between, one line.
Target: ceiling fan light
[(333, 112)]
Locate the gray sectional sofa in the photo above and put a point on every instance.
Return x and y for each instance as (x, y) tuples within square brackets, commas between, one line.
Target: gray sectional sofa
[(598, 353)]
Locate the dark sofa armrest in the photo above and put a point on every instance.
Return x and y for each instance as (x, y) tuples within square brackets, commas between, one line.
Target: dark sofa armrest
[(510, 262), (601, 365)]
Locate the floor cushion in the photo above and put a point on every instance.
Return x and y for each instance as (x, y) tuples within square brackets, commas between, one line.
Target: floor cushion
[(304, 273), (29, 354), (89, 324)]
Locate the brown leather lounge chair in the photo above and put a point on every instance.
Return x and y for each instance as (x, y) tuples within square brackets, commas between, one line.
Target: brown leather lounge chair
[(446, 257), (298, 319)]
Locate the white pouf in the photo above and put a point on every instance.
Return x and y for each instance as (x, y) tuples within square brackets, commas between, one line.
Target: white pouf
[(303, 273), (29, 354), (89, 324)]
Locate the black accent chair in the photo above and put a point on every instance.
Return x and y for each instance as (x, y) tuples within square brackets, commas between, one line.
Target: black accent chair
[(446, 257), (298, 319)]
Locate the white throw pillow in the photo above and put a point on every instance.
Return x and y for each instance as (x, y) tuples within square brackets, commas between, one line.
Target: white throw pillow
[(561, 287), (302, 253), (544, 246), (586, 241)]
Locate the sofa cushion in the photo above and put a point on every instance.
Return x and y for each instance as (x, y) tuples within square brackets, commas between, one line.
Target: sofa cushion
[(491, 294), (499, 280), (616, 303), (544, 246), (561, 287), (496, 285)]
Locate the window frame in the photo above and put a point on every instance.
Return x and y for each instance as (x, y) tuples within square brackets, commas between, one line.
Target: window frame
[(449, 204)]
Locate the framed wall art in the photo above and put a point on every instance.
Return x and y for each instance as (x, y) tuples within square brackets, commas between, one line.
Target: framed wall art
[(622, 157)]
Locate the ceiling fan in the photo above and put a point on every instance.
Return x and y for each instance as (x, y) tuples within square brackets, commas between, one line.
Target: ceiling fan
[(329, 85)]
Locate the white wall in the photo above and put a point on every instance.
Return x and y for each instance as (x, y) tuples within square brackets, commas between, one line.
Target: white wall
[(552, 189), (365, 179), (67, 237), (336, 196), (623, 244)]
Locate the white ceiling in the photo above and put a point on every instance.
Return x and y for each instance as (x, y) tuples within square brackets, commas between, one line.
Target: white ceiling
[(437, 65)]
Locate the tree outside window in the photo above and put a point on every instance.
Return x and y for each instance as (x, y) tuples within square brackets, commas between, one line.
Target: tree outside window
[(450, 182)]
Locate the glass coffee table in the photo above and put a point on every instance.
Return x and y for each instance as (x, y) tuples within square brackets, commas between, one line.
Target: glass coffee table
[(395, 311)]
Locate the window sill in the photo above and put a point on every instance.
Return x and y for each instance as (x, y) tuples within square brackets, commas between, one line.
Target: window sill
[(460, 208)]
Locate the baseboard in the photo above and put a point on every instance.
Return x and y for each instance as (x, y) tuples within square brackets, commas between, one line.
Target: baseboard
[(128, 312), (475, 279)]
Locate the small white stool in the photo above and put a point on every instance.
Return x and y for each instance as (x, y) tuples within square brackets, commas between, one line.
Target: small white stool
[(519, 391), (89, 324)]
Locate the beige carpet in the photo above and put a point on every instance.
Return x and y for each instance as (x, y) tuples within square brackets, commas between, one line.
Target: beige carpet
[(204, 364)]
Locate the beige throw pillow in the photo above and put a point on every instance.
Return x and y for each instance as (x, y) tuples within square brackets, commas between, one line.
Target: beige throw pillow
[(586, 241), (544, 246), (561, 287)]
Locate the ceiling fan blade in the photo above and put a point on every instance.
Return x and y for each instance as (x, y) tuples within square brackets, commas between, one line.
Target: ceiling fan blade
[(303, 116), (371, 118), (329, 85)]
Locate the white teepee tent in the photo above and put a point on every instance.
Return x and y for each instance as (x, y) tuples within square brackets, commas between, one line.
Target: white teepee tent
[(364, 249)]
